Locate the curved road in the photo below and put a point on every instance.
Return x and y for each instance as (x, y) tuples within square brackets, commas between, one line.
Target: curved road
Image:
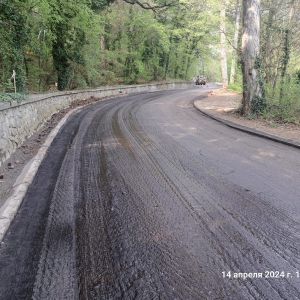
[(142, 197)]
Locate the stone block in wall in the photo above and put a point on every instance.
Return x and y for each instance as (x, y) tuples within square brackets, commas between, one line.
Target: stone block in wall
[(19, 122)]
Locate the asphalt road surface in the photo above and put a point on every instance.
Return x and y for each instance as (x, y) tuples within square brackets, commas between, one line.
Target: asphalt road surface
[(143, 197)]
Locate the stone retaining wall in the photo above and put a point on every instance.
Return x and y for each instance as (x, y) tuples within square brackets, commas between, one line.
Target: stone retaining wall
[(19, 122)]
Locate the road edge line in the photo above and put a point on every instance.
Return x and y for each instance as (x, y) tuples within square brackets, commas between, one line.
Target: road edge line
[(246, 129)]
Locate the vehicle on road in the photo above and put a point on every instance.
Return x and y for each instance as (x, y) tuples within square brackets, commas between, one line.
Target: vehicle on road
[(200, 80)]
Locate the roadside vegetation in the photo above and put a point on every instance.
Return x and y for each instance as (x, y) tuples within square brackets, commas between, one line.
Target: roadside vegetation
[(55, 44), (274, 80), (251, 46), (283, 103)]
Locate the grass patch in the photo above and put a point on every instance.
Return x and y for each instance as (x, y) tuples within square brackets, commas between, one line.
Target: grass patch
[(235, 87)]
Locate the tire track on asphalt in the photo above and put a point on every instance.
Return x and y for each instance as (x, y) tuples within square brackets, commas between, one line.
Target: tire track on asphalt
[(142, 136), (134, 214), (22, 245), (110, 229), (159, 171)]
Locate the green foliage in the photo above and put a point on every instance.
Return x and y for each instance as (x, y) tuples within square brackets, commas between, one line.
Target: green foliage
[(10, 97), (258, 104), (78, 44), (297, 77), (14, 35), (280, 55), (99, 5), (285, 108), (235, 87)]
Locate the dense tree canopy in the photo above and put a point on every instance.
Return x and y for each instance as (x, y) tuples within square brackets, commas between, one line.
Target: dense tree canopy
[(75, 44)]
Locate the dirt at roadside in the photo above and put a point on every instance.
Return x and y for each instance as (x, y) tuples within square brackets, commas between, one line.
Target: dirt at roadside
[(12, 168), (224, 104)]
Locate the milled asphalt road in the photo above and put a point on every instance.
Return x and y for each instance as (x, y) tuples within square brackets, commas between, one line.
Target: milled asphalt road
[(145, 198)]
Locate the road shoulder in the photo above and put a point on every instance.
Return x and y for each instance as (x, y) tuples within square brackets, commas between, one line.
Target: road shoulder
[(20, 169), (222, 105)]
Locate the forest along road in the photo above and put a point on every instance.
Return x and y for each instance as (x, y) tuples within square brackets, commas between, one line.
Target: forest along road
[(142, 197)]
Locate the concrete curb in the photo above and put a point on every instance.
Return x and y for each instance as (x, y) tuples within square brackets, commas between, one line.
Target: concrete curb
[(248, 130), (9, 209)]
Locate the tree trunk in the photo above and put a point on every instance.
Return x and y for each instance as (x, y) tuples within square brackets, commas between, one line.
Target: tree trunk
[(253, 94), (235, 42), (188, 64), (61, 64), (285, 61), (266, 53), (223, 45), (286, 51), (102, 43), (60, 57), (167, 65)]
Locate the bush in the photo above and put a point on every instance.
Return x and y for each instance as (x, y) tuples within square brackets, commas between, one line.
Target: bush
[(10, 97), (235, 87), (285, 109)]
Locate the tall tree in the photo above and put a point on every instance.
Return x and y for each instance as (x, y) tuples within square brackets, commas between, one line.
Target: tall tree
[(253, 87), (223, 50), (14, 35), (235, 41), (286, 47)]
